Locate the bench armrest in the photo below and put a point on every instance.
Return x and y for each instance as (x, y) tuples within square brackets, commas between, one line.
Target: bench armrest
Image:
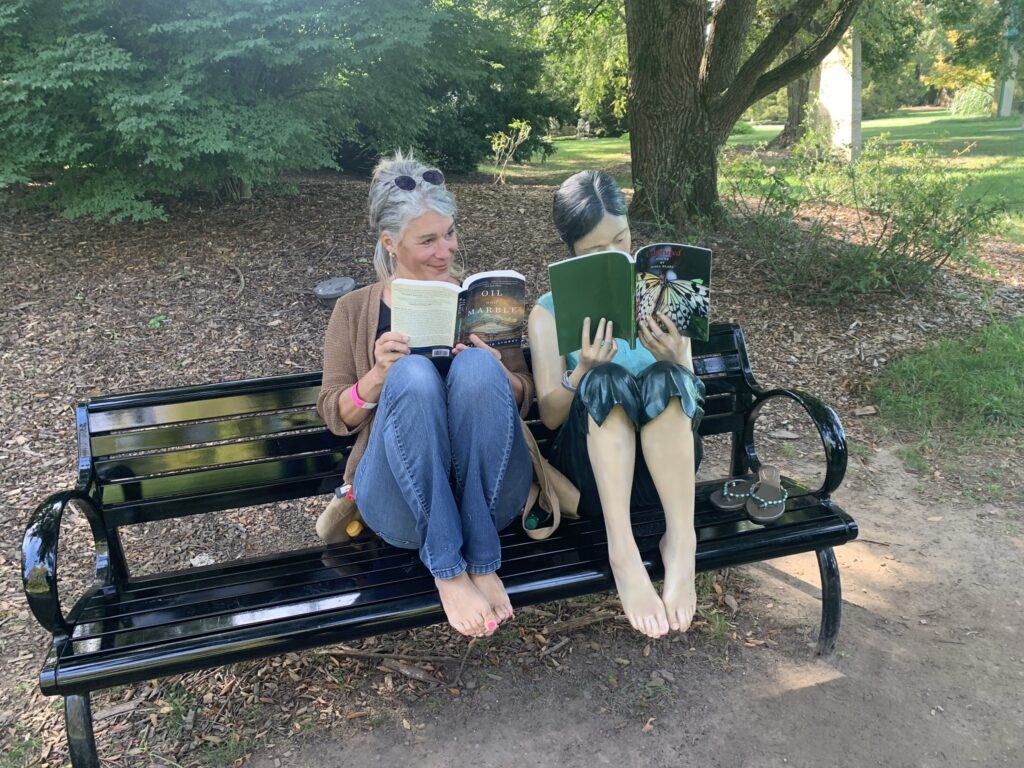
[(830, 428), (39, 556)]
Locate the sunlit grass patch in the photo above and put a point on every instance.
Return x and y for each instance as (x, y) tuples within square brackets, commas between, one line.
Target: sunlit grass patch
[(966, 390)]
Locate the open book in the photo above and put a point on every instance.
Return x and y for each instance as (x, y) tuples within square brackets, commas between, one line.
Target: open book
[(437, 315), (663, 277)]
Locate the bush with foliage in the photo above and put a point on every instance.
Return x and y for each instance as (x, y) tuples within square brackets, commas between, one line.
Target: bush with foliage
[(973, 101), (910, 217), (771, 109), (885, 92), (478, 78), (112, 105)]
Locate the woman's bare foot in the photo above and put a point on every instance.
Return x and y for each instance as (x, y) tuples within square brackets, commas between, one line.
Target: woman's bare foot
[(679, 592), (492, 588), (466, 607), (640, 601)]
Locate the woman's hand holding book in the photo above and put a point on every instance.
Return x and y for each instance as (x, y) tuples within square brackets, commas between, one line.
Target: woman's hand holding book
[(597, 351), (662, 339)]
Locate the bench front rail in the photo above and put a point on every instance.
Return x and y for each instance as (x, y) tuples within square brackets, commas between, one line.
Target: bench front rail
[(173, 453)]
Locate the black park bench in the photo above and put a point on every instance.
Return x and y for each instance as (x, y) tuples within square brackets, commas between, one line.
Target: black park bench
[(177, 452)]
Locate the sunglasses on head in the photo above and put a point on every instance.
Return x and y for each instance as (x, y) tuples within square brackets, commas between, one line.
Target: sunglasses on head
[(408, 183)]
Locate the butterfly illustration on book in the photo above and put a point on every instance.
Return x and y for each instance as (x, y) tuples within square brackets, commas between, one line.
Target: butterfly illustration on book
[(681, 300)]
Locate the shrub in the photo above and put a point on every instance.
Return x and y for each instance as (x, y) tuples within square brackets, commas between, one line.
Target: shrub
[(910, 217), (112, 105), (973, 101), (478, 78)]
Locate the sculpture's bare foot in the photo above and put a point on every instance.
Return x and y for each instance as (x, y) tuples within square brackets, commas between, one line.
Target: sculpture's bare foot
[(466, 607), (491, 587), (679, 592), (640, 601)]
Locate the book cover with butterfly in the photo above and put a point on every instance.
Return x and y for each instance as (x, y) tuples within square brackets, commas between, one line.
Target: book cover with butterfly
[(661, 277)]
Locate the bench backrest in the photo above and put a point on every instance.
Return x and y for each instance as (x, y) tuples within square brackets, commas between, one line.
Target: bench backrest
[(176, 452)]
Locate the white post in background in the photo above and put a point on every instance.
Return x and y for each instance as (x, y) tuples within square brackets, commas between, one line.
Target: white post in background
[(839, 95), (1009, 85)]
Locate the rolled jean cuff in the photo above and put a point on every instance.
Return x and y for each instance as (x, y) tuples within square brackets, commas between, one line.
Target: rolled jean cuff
[(662, 381), (449, 573), (483, 570)]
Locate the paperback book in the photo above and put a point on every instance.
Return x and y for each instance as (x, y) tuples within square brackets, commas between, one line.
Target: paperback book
[(662, 277), (437, 315)]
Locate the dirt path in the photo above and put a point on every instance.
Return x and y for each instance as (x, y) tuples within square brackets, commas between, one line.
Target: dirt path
[(928, 670)]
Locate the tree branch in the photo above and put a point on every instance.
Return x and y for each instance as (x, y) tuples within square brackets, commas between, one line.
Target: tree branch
[(809, 57), (735, 97), (730, 24)]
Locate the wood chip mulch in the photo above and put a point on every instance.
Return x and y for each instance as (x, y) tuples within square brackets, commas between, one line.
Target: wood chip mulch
[(226, 293)]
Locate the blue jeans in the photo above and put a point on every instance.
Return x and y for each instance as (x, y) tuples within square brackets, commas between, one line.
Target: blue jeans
[(446, 466)]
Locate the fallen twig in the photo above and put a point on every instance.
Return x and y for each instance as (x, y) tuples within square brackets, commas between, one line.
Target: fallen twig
[(557, 646), (462, 666), (397, 656), (241, 280), (410, 670), (582, 621)]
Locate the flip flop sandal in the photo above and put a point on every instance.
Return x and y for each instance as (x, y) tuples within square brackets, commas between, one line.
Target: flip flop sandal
[(767, 499), (732, 495)]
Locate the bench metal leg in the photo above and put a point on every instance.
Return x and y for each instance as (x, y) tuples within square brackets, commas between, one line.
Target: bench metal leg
[(81, 742), (831, 601)]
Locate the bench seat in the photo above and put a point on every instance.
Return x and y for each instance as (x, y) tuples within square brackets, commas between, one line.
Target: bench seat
[(218, 614)]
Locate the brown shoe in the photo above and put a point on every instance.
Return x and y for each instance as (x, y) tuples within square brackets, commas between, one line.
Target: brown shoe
[(340, 521)]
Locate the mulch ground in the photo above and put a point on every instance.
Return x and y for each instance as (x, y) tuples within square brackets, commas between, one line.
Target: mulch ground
[(226, 293)]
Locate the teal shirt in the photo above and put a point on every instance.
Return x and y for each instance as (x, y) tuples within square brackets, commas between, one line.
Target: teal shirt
[(633, 360)]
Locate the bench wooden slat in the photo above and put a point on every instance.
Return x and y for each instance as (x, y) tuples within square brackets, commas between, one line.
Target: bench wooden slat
[(212, 481), (118, 470), (196, 433), (154, 415), (310, 484), (722, 340)]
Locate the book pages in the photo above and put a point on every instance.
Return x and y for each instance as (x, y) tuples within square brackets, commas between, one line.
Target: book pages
[(426, 311)]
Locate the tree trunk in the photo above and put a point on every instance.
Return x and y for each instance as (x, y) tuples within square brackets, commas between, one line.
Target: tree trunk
[(686, 91), (672, 143), (798, 94)]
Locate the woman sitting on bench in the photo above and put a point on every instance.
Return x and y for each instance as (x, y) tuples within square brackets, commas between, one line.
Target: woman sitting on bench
[(602, 396), (440, 463)]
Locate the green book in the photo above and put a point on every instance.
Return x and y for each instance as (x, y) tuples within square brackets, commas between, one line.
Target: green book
[(662, 277)]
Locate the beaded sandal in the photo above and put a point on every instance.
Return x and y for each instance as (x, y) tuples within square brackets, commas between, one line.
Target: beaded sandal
[(732, 495), (766, 501)]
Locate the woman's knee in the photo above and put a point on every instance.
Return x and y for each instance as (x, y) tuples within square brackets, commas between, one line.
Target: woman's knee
[(475, 373), (414, 375), (607, 386), (663, 382)]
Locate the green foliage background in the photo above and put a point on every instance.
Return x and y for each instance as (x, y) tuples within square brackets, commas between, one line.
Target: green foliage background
[(107, 108), (114, 104)]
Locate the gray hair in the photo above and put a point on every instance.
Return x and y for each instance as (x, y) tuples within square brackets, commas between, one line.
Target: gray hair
[(392, 208)]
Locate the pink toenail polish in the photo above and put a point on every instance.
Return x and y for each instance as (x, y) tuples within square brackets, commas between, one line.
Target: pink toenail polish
[(491, 626)]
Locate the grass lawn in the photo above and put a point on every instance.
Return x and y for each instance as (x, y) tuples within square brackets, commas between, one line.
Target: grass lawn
[(988, 150), (926, 394)]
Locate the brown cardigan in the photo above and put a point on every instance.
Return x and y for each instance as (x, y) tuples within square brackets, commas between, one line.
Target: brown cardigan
[(348, 356)]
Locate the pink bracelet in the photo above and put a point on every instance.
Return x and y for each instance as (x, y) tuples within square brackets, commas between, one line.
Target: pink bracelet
[(358, 401)]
